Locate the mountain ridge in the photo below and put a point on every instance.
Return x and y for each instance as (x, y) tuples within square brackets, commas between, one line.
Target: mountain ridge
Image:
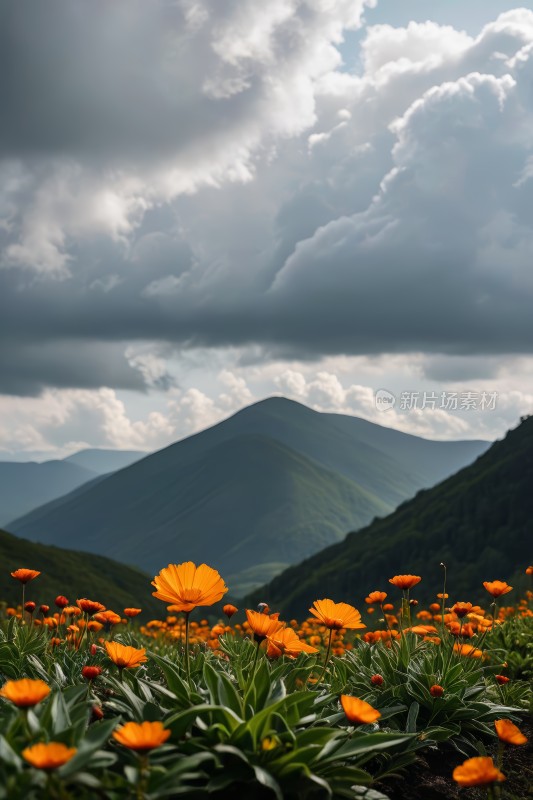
[(311, 465), (476, 522)]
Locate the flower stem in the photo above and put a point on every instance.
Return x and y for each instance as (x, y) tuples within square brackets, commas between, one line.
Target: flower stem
[(187, 655), (143, 765), (328, 652), (443, 598)]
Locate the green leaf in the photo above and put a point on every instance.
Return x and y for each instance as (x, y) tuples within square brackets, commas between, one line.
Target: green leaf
[(97, 735), (265, 779), (367, 743), (412, 717)]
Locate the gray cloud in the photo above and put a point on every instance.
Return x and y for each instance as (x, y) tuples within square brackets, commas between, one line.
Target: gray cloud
[(371, 236)]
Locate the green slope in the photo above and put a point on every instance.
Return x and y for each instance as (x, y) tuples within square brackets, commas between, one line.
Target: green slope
[(254, 503), (265, 488), (27, 485), (478, 522), (73, 574)]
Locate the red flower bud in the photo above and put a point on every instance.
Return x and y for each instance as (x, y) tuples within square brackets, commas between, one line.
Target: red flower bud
[(90, 673), (377, 680), (97, 713), (436, 690), (61, 601), (93, 649), (502, 679), (44, 609), (29, 606)]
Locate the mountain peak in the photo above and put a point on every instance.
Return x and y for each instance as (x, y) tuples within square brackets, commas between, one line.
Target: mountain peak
[(477, 522)]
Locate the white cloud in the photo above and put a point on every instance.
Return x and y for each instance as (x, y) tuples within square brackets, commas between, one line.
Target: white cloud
[(158, 102)]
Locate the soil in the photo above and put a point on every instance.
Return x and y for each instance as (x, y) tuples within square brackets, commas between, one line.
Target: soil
[(430, 777)]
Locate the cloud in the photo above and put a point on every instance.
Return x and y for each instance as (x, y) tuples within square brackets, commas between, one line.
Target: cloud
[(207, 175), (110, 110)]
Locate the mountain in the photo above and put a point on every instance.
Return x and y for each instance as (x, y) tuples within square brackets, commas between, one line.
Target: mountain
[(102, 461), (263, 489), (73, 574), (28, 485), (477, 522)]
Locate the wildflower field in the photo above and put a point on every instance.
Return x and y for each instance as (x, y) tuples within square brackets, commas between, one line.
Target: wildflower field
[(381, 699)]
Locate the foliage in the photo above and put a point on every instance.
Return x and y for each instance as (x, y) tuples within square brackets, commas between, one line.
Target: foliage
[(73, 574)]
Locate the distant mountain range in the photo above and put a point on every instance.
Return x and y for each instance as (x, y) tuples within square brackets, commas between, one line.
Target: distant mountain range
[(27, 485), (74, 574), (266, 488), (477, 522)]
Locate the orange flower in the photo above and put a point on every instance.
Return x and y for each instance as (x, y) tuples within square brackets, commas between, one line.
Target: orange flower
[(90, 606), (529, 570), (286, 642), (421, 630), (497, 588), (337, 615), (187, 586), (467, 650), (132, 612), (358, 711), (263, 625), (477, 772), (25, 692), (25, 575), (508, 732), (462, 609), (229, 610), (501, 679), (94, 626), (405, 582), (125, 657), (142, 736), (48, 756), (108, 618), (376, 597)]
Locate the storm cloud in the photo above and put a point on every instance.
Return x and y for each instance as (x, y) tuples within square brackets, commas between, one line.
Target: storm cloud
[(204, 174)]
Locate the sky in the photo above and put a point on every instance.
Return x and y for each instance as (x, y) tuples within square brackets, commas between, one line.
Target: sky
[(203, 204)]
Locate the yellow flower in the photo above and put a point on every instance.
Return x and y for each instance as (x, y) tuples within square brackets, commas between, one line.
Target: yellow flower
[(48, 756), (187, 586), (142, 736), (125, 657), (337, 615), (25, 692)]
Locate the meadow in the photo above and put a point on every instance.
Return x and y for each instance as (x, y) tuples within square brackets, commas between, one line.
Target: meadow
[(382, 699)]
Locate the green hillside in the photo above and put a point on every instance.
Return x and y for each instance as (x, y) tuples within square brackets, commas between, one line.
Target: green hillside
[(73, 574), (27, 485), (478, 522), (266, 488)]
